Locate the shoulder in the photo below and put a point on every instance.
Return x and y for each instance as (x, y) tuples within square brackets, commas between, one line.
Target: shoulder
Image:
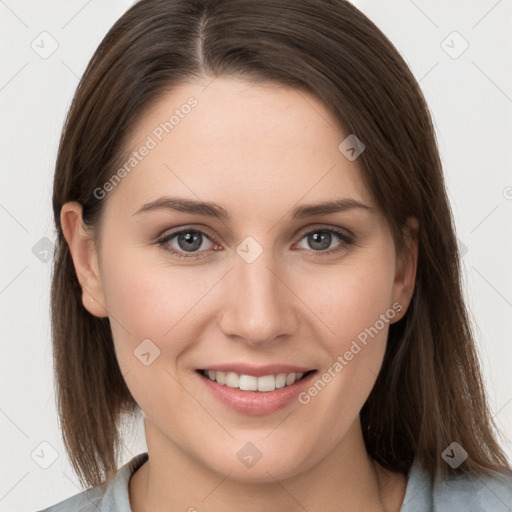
[(86, 501), (475, 492), (465, 493), (114, 498)]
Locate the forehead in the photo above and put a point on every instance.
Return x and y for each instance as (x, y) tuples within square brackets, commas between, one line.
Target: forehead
[(226, 139)]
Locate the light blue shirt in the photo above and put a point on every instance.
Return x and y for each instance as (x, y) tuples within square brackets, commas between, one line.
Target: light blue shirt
[(456, 494)]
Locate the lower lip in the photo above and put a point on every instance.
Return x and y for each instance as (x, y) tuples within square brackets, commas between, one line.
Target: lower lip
[(256, 402)]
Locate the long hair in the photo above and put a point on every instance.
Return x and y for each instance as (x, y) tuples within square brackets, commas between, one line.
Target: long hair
[(429, 391)]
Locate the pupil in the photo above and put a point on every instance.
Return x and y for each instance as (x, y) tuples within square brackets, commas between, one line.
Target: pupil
[(190, 241), (321, 240)]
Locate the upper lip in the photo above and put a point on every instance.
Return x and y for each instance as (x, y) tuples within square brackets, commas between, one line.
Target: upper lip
[(257, 371)]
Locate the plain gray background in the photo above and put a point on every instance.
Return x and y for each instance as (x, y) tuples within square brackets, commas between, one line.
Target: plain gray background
[(469, 91)]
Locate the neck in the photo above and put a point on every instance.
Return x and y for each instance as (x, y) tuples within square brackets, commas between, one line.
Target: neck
[(345, 479)]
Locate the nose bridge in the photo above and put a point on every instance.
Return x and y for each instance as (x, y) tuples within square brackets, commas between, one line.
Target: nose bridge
[(259, 307)]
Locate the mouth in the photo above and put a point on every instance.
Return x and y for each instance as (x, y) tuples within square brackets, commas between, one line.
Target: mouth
[(262, 384), (256, 395)]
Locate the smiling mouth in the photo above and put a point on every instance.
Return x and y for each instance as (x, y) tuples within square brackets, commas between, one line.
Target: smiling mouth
[(263, 384)]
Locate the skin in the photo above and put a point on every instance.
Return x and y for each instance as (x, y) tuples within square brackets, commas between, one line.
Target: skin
[(257, 151)]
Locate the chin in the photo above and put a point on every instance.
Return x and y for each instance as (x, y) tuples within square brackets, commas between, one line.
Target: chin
[(263, 468)]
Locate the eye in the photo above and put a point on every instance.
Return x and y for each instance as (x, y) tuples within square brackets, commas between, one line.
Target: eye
[(194, 243), (321, 240), (187, 243)]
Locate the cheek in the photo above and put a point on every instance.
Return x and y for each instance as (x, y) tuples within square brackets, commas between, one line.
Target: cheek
[(148, 300), (352, 298), (151, 309), (356, 305)]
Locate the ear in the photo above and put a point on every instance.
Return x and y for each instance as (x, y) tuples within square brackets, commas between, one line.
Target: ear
[(85, 259), (405, 269)]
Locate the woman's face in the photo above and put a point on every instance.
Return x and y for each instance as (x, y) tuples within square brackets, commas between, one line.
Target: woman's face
[(270, 281)]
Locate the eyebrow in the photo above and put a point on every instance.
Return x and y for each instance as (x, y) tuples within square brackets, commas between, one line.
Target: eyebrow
[(215, 211)]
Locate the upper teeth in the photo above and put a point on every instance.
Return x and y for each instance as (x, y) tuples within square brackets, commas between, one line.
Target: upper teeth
[(251, 383)]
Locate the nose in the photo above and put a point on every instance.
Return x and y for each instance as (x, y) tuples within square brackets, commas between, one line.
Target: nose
[(258, 306)]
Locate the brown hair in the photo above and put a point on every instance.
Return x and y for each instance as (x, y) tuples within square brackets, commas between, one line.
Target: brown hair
[(429, 391)]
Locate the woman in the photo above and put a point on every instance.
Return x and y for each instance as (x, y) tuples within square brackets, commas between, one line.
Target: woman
[(257, 253)]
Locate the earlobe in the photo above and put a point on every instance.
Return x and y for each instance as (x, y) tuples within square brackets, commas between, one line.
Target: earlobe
[(85, 259), (406, 266)]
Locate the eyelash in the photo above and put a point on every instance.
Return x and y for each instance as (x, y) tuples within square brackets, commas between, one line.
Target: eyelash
[(343, 237)]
